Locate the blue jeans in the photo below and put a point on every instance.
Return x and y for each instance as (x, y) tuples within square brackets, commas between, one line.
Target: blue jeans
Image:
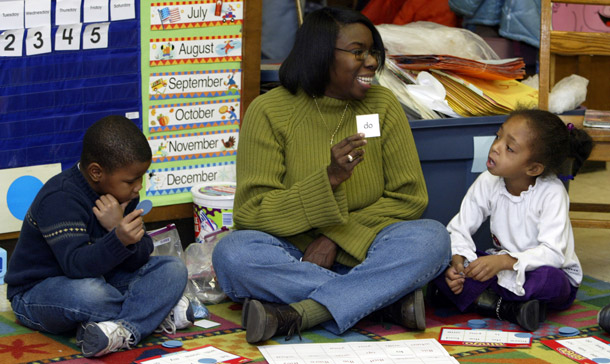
[(140, 300), (403, 257)]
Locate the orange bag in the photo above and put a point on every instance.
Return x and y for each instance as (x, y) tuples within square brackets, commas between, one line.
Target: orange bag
[(407, 11)]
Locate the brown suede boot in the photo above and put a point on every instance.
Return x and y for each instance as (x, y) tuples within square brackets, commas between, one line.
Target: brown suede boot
[(265, 321), (408, 311), (244, 310)]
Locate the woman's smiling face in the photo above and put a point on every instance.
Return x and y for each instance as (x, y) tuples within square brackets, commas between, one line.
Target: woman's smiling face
[(349, 77)]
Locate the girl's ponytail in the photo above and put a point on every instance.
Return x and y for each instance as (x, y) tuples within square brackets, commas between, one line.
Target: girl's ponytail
[(581, 145)]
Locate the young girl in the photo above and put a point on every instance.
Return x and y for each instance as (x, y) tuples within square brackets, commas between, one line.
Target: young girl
[(533, 264)]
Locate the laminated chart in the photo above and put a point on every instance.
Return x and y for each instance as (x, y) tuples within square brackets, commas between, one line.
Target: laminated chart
[(195, 14), (482, 337), (192, 84), (193, 115), (365, 352), (192, 50), (215, 143), (191, 94), (169, 181)]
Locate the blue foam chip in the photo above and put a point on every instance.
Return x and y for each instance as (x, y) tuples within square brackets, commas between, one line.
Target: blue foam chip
[(477, 324), (568, 331), (172, 344), (145, 205), (524, 335)]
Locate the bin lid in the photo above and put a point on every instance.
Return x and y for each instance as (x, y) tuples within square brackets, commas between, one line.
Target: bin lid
[(215, 191)]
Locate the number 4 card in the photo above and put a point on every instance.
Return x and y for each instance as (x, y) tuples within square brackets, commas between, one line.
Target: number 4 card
[(67, 37)]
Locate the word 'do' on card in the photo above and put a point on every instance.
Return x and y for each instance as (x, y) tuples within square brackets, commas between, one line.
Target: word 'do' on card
[(368, 125)]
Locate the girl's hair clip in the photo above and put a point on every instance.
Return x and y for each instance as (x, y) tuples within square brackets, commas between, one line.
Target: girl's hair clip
[(570, 126), (565, 178)]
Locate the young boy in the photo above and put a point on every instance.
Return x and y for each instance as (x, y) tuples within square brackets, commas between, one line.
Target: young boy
[(83, 260)]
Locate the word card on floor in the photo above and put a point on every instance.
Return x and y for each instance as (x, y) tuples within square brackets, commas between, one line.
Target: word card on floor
[(365, 352), (589, 350), (482, 337), (203, 354)]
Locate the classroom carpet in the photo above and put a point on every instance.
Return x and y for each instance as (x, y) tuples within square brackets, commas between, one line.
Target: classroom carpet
[(21, 345)]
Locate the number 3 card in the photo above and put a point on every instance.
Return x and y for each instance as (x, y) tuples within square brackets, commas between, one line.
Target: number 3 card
[(38, 40)]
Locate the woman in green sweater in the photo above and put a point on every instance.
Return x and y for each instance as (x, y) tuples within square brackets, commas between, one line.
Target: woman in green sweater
[(327, 220)]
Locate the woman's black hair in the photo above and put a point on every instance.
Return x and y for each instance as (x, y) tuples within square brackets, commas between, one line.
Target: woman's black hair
[(308, 64), (553, 141)]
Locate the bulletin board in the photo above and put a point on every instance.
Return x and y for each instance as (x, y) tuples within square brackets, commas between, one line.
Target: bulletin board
[(58, 76), (191, 88)]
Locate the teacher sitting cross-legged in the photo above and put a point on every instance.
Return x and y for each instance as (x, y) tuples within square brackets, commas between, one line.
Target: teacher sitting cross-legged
[(326, 217)]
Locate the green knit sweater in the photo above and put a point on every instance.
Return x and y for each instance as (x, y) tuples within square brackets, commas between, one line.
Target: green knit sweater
[(282, 184)]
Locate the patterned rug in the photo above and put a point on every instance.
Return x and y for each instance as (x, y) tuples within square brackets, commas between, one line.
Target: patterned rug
[(21, 345)]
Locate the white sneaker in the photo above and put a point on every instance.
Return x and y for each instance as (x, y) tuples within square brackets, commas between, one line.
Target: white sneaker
[(101, 338), (180, 317)]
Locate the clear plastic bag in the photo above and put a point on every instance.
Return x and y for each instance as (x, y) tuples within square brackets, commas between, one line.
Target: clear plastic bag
[(568, 94), (202, 277), (422, 37), (167, 242)]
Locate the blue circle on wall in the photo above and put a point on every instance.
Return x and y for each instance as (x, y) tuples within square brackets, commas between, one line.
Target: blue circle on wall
[(20, 195)]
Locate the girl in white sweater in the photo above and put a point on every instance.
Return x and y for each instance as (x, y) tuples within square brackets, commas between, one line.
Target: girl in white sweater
[(533, 264)]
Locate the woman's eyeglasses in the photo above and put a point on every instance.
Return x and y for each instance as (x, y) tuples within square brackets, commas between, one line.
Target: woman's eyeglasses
[(361, 54)]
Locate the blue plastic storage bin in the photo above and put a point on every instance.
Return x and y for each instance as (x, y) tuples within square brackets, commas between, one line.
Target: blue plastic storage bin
[(446, 151)]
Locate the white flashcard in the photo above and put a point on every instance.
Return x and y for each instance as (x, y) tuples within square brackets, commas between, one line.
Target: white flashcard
[(37, 13), (95, 11), (67, 37), (12, 15), (133, 115), (96, 36), (369, 125), (206, 324), (67, 12), (122, 9), (481, 152), (38, 40), (11, 43)]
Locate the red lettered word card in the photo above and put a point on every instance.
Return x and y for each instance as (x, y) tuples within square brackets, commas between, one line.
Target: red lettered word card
[(590, 350), (482, 337)]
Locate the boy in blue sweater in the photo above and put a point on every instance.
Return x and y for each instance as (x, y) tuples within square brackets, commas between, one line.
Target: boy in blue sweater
[(83, 260)]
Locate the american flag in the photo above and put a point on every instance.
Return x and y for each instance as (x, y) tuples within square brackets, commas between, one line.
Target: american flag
[(164, 13), (174, 15)]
